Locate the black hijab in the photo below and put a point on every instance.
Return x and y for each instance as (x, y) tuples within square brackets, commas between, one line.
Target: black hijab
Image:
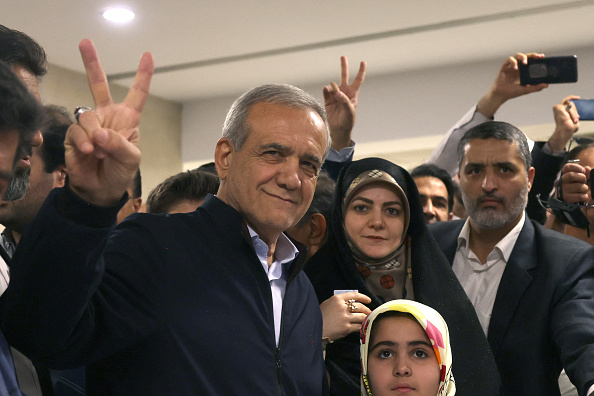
[(434, 283)]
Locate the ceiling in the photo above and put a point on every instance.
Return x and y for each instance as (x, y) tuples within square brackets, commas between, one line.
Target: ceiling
[(211, 48)]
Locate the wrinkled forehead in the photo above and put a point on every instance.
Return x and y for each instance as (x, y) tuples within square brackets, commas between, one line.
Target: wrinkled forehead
[(266, 111)]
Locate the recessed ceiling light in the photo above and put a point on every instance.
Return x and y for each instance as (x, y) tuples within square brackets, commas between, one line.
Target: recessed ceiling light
[(119, 15)]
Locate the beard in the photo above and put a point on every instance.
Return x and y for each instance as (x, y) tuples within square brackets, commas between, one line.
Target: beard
[(18, 185), (490, 218)]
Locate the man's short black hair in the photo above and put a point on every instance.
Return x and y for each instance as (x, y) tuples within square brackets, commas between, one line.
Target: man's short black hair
[(431, 170), (498, 130), (192, 185), (322, 199), (18, 49), (57, 122), (209, 167), (19, 110)]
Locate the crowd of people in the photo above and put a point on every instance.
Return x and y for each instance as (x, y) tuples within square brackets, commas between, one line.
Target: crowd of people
[(285, 267)]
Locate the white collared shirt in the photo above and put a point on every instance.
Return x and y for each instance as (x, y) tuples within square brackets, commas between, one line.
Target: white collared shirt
[(284, 254), (481, 281)]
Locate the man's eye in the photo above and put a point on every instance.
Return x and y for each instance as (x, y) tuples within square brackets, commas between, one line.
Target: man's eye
[(272, 153), (310, 166)]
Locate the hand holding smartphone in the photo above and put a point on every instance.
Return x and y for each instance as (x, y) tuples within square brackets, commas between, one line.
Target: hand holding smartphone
[(585, 108)]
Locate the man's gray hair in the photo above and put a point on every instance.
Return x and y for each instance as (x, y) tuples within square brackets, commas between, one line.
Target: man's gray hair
[(497, 130), (236, 128)]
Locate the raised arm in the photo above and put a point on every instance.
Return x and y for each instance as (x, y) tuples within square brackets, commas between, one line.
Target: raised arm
[(505, 86), (567, 122), (102, 153), (341, 104)]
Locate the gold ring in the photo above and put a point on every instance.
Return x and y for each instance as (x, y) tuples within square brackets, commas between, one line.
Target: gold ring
[(351, 305)]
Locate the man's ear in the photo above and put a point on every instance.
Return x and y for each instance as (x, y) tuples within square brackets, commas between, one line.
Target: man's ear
[(137, 204), (450, 216), (60, 176), (531, 172), (317, 229), (223, 156)]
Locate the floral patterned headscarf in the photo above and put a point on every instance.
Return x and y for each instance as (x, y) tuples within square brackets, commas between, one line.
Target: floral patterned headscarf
[(437, 332)]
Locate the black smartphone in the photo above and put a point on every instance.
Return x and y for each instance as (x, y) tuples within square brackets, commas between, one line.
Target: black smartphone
[(551, 70), (585, 108)]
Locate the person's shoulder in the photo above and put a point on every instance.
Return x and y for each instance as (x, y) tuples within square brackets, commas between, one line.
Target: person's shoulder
[(558, 240)]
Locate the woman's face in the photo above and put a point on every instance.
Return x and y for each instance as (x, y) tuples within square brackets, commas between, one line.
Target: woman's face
[(401, 359), (374, 219)]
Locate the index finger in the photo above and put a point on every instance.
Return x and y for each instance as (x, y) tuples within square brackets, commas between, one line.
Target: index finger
[(139, 91), (568, 98), (524, 57), (344, 70), (95, 74), (572, 168)]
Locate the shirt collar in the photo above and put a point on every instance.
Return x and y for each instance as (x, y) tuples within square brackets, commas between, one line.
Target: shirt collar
[(504, 246), (284, 253)]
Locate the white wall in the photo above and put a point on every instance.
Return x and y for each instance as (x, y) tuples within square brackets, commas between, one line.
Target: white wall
[(161, 129), (417, 106)]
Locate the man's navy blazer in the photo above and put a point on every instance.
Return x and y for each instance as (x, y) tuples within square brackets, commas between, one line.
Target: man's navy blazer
[(543, 316)]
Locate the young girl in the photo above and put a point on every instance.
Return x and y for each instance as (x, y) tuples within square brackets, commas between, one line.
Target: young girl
[(405, 349)]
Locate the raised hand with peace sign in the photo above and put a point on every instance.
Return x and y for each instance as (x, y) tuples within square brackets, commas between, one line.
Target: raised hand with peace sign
[(102, 153), (340, 102)]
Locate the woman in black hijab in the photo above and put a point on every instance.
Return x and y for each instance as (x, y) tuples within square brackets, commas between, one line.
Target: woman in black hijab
[(379, 245)]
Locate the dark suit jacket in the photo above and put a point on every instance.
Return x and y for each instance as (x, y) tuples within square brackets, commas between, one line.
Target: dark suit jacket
[(543, 316), (162, 305)]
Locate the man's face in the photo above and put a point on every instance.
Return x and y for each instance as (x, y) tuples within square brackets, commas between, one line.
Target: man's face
[(132, 206), (20, 182), (494, 183), (29, 80), (17, 214), (272, 179), (9, 143), (434, 198)]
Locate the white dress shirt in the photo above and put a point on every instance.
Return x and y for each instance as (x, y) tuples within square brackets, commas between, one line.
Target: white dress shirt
[(284, 254), (481, 281)]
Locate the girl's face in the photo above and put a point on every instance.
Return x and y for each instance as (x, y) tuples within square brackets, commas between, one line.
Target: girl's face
[(401, 359), (374, 219)]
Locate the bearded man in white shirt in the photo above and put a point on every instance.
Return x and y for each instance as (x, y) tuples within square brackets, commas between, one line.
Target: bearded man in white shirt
[(532, 289)]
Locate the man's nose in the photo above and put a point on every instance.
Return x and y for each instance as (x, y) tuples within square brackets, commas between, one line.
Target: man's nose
[(428, 208), (37, 139), (489, 181), (288, 174)]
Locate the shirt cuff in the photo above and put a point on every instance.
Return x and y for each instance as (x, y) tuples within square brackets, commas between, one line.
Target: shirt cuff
[(343, 155), (555, 153)]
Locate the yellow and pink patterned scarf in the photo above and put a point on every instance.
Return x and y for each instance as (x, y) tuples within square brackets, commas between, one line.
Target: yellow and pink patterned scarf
[(436, 329)]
